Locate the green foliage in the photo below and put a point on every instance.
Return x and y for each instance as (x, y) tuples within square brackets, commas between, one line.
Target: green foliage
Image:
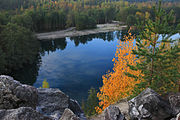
[(83, 21), (2, 61), (158, 54), (48, 15), (178, 27), (70, 22), (18, 45), (92, 101), (131, 20), (23, 20), (45, 84), (3, 19)]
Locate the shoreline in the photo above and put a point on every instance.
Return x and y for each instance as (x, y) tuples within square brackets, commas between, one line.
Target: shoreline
[(72, 32)]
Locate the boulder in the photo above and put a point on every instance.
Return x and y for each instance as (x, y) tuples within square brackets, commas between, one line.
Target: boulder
[(113, 113), (13, 94), (69, 115), (149, 105), (75, 107), (177, 117), (174, 101), (22, 113), (52, 102)]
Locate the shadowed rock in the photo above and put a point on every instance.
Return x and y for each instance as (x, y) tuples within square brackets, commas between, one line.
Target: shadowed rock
[(69, 115), (149, 105), (75, 107), (113, 113), (52, 102), (13, 94), (22, 113), (174, 101)]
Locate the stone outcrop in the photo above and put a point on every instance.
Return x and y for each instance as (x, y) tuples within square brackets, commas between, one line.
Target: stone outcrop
[(52, 102), (24, 102), (174, 101), (19, 101), (113, 113), (149, 105), (13, 94), (75, 107), (177, 117), (22, 113), (69, 115)]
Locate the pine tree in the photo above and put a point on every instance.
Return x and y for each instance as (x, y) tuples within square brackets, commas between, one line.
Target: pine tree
[(92, 101), (158, 53)]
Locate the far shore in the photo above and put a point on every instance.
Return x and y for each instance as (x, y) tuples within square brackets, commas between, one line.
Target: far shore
[(72, 32)]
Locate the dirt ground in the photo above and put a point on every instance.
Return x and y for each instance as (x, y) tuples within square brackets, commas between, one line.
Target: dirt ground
[(71, 32)]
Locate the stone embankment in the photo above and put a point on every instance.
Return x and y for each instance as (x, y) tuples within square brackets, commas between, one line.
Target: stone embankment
[(24, 102)]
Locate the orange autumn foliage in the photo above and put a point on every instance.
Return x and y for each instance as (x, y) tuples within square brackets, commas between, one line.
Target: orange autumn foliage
[(117, 85)]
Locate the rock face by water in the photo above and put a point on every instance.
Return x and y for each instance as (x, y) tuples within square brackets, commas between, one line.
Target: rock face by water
[(13, 94), (76, 109), (149, 105), (69, 115), (52, 102), (22, 113), (174, 101), (24, 102), (113, 113)]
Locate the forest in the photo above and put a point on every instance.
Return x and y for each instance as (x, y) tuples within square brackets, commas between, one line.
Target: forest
[(21, 19), (150, 62), (48, 15)]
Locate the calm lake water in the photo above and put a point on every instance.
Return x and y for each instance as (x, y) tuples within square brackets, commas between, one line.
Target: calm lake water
[(74, 65)]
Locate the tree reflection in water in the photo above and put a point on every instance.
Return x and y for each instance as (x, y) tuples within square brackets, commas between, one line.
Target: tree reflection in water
[(29, 72)]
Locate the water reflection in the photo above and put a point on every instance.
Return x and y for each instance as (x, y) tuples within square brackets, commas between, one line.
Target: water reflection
[(73, 64), (28, 74), (78, 63), (20, 58), (53, 45), (60, 44)]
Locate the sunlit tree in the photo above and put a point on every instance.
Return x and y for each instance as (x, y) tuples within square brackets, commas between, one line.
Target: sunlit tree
[(117, 85)]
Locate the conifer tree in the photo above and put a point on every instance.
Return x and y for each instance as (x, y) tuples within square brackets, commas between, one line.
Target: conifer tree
[(158, 53), (92, 101)]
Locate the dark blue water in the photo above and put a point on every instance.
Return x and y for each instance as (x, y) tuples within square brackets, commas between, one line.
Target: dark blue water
[(73, 65), (79, 65)]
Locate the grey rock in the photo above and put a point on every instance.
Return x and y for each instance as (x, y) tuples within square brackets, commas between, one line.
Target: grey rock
[(177, 117), (22, 113), (149, 105), (75, 107), (13, 94), (52, 102), (174, 101), (113, 113), (69, 115), (173, 118)]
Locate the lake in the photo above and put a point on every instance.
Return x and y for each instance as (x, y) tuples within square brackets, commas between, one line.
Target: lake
[(74, 65)]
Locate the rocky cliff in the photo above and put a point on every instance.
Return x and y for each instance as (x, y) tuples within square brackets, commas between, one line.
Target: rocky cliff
[(24, 102)]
